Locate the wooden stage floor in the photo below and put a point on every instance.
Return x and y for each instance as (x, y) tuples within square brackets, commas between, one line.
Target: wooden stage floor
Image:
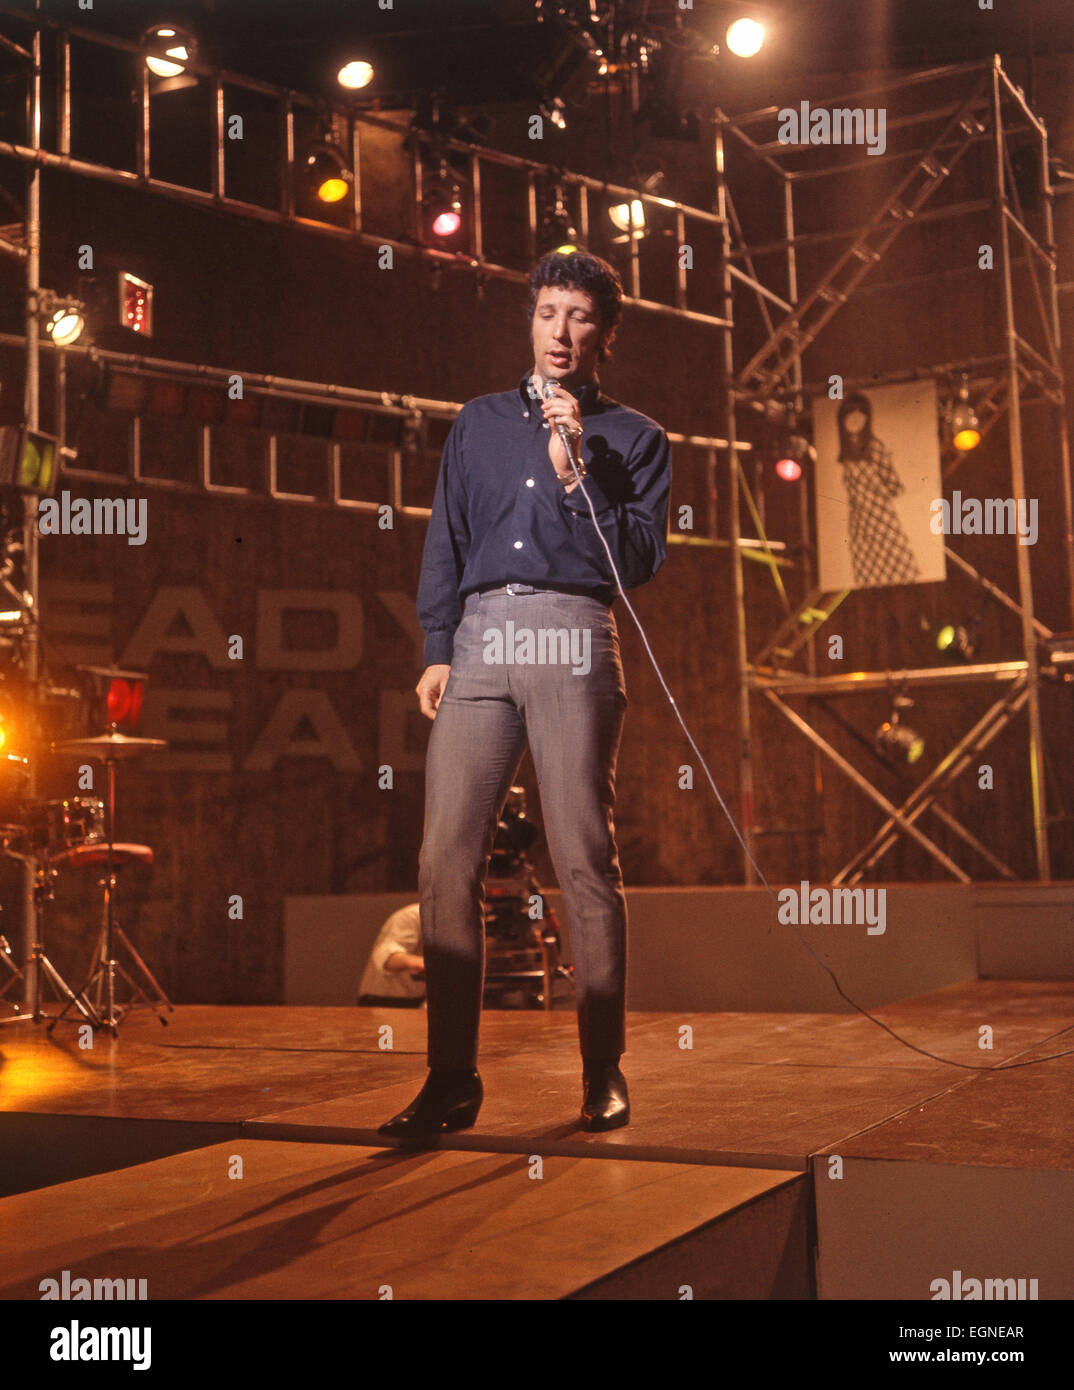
[(234, 1154)]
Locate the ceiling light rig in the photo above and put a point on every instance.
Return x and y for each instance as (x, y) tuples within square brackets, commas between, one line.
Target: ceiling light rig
[(63, 317), (628, 218), (355, 75), (442, 206), (956, 643), (961, 425), (959, 642), (794, 455), (554, 110), (168, 51), (897, 740), (443, 176), (437, 116), (745, 37), (625, 43), (327, 172), (558, 232)]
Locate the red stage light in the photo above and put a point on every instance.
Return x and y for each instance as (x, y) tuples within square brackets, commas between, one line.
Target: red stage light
[(790, 470), (113, 698), (119, 701), (135, 304), (446, 224), (124, 702)]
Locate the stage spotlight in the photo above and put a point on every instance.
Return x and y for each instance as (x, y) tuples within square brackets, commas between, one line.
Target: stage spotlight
[(66, 326), (448, 220), (957, 643), (327, 173), (442, 206), (554, 111), (628, 218), (119, 308), (169, 50), (355, 75), (963, 426), (745, 37), (789, 469), (558, 233), (64, 319), (29, 460), (135, 304), (954, 642), (112, 698), (793, 458), (899, 740)]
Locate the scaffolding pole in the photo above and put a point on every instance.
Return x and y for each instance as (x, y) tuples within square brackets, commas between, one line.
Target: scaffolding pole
[(1018, 487)]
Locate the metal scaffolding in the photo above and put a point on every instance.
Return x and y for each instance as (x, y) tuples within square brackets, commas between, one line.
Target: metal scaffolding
[(47, 144), (410, 415), (987, 110), (358, 217)]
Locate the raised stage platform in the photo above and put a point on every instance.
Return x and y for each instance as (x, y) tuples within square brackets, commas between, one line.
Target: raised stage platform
[(234, 1154)]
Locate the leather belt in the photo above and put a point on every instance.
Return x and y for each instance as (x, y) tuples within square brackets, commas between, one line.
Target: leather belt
[(514, 589)]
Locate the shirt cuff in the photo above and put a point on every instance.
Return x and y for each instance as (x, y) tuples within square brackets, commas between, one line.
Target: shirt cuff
[(575, 501), (439, 647)]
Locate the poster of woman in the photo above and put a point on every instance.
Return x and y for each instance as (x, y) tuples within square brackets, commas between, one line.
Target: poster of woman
[(878, 470)]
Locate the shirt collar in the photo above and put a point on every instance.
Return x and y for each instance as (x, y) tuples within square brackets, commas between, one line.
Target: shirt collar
[(586, 395)]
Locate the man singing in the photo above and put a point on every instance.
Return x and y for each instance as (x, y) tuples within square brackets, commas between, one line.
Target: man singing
[(515, 586)]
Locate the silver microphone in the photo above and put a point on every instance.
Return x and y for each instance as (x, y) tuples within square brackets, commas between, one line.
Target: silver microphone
[(548, 390)]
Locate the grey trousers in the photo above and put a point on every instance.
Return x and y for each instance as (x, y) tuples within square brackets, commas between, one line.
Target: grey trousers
[(568, 700)]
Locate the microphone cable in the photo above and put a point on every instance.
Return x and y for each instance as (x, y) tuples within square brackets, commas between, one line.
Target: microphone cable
[(905, 1042)]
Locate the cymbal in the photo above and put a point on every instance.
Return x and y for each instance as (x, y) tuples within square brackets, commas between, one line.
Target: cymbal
[(109, 747)]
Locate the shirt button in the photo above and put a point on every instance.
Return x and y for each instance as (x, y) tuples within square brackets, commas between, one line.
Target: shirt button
[(518, 545), (529, 482)]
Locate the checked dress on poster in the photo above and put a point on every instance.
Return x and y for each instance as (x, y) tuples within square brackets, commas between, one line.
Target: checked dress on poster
[(878, 470)]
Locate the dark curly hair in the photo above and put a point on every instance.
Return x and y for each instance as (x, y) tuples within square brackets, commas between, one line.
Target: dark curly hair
[(578, 270)]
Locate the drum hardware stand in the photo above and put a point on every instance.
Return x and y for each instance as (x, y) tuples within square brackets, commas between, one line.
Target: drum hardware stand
[(110, 748), (107, 967), (39, 964)]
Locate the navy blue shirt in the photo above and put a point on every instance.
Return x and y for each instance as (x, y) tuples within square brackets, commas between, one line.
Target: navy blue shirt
[(500, 515)]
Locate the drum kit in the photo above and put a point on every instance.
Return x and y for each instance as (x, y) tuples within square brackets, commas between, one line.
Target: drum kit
[(48, 838), (55, 836), (522, 956)]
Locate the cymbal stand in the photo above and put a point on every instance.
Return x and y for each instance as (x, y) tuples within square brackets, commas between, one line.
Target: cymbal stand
[(107, 967)]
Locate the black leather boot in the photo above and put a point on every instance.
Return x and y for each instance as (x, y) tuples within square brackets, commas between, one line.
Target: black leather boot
[(605, 1102), (448, 1101)]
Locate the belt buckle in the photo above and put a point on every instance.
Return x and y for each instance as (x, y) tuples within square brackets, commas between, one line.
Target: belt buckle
[(515, 589)]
